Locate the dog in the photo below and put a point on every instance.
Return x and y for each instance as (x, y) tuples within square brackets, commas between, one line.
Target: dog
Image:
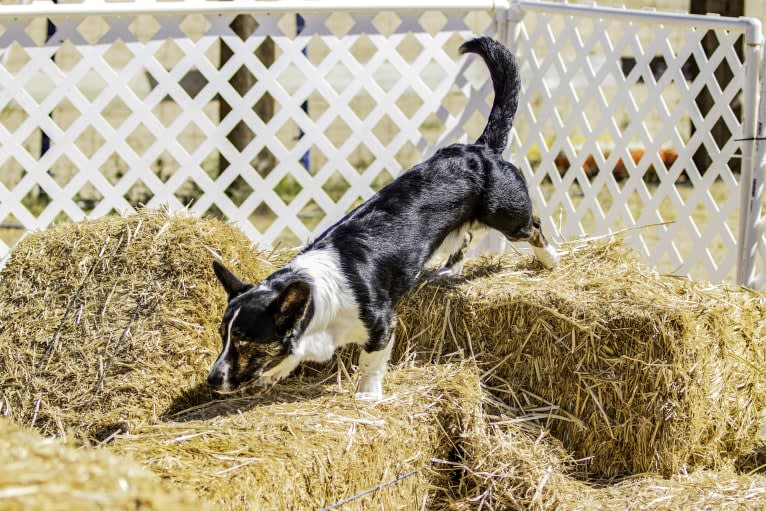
[(343, 287)]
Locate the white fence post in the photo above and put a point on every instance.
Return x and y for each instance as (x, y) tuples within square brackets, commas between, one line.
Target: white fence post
[(755, 239), (751, 122)]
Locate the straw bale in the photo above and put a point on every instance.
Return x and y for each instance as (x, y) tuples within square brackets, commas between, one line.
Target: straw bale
[(104, 322), (635, 371), (515, 468), (49, 475), (703, 489), (107, 329), (309, 446)]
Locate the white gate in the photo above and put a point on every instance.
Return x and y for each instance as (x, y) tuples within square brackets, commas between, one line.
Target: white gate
[(108, 105), (614, 90)]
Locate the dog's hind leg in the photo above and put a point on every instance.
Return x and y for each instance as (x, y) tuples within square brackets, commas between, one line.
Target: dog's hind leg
[(373, 361), (532, 233), (544, 251)]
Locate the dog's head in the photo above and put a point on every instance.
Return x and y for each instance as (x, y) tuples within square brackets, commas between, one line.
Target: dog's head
[(258, 327)]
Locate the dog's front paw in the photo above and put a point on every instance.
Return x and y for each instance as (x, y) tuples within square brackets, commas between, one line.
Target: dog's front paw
[(279, 372), (266, 380), (272, 377), (369, 396), (370, 387)]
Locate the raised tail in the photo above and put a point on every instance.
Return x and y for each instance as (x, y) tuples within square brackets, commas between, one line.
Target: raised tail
[(505, 79)]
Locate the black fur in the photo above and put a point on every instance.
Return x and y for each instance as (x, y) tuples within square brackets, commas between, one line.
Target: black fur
[(266, 320), (507, 84), (383, 244)]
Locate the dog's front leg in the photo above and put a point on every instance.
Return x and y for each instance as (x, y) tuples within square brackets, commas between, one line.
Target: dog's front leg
[(279, 371), (373, 361)]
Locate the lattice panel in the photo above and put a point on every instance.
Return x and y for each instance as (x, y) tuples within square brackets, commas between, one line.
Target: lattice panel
[(146, 110), (613, 133), (284, 130)]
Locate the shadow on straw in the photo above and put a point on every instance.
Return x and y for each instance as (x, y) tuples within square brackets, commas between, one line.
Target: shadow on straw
[(199, 403)]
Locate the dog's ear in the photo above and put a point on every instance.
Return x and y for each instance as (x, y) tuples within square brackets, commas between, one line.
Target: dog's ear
[(230, 282), (291, 306)]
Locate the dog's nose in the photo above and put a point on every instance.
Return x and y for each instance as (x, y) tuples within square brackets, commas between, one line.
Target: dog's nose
[(214, 379)]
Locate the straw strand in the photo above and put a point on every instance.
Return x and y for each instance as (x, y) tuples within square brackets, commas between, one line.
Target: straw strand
[(369, 491)]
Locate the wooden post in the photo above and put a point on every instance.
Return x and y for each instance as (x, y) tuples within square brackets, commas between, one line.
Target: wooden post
[(723, 75), (243, 81)]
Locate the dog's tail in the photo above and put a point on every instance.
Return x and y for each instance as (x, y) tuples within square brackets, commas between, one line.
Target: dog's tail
[(505, 79)]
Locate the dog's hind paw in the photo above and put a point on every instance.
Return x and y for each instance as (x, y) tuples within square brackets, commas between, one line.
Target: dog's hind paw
[(548, 256), (442, 273)]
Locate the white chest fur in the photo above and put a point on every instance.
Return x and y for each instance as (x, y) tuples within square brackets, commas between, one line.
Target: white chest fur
[(336, 313)]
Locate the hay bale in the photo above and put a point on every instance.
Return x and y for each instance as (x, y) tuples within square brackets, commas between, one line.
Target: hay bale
[(302, 446), (46, 474), (512, 467), (103, 322), (516, 468), (635, 371), (108, 328), (703, 489)]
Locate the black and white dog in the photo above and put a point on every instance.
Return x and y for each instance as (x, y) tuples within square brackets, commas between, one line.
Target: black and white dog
[(342, 288)]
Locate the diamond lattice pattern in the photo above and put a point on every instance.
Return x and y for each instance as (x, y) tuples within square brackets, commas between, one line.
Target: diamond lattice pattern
[(615, 135), (282, 123)]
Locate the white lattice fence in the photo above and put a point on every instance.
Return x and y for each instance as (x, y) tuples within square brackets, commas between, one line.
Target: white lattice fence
[(131, 107), (134, 100), (612, 132)]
